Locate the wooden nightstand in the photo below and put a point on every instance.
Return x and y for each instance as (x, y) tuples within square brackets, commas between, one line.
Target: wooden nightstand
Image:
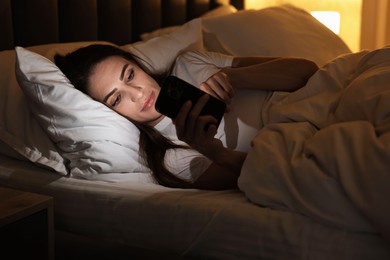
[(26, 225)]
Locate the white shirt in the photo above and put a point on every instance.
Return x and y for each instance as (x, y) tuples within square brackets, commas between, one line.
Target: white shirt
[(242, 123), (187, 164), (237, 128)]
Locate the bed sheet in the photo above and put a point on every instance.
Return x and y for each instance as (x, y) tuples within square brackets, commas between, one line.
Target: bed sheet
[(192, 223)]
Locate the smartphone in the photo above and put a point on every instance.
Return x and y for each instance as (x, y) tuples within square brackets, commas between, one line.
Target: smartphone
[(175, 92)]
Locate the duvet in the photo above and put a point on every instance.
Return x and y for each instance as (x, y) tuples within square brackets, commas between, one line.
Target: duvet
[(325, 149)]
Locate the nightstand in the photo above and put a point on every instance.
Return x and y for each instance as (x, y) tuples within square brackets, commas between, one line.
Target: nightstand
[(26, 225)]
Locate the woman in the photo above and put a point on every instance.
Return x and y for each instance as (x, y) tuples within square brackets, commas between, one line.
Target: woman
[(115, 78)]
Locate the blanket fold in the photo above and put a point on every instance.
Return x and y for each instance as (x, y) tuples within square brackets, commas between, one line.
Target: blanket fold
[(325, 149)]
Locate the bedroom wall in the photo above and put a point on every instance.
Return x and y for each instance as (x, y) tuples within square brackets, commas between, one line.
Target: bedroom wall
[(375, 32), (364, 24), (349, 10)]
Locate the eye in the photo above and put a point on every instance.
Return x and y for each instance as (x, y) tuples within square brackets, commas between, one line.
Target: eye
[(130, 76), (116, 100)]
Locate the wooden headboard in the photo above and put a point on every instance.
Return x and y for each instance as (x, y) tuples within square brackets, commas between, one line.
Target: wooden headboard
[(33, 22)]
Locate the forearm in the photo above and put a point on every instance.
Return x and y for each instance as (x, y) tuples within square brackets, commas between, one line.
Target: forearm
[(229, 159), (277, 74), (223, 173), (222, 156)]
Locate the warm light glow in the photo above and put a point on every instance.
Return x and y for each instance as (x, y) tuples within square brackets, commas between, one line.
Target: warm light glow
[(350, 12), (330, 19)]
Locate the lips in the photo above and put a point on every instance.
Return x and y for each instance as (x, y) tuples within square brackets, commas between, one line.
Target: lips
[(149, 102)]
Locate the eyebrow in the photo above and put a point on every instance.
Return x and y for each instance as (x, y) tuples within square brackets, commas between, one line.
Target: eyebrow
[(120, 78), (109, 95), (123, 71)]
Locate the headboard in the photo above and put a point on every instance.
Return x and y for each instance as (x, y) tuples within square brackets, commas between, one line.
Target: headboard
[(27, 22)]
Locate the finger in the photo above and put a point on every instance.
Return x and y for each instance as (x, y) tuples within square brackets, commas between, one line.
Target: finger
[(223, 81), (205, 126), (216, 90), (180, 120), (214, 84), (207, 88), (228, 108), (212, 130), (197, 108), (193, 116)]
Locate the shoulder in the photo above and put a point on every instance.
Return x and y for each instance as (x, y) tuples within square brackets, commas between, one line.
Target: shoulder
[(196, 67), (205, 57)]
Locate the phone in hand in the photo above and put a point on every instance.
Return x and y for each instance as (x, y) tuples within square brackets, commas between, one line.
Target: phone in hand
[(175, 92)]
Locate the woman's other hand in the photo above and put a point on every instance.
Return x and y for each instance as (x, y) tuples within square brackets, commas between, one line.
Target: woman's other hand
[(218, 85)]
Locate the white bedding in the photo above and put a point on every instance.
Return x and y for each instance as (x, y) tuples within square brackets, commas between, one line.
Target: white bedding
[(129, 210), (208, 224), (325, 151)]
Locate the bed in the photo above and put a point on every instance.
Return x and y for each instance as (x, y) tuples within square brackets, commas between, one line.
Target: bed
[(108, 207)]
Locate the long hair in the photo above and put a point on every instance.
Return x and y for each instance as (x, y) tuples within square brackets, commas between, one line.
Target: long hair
[(78, 66)]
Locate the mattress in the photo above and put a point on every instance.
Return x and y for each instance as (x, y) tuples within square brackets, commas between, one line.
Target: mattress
[(192, 223)]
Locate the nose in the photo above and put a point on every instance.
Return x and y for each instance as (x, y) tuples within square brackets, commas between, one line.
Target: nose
[(135, 92)]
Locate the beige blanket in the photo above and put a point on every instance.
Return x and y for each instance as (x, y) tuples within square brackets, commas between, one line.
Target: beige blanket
[(325, 149)]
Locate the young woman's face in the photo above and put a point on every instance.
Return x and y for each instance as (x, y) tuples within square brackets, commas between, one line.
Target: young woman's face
[(126, 88)]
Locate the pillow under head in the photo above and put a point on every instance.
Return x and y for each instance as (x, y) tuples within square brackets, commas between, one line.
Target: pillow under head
[(92, 137)]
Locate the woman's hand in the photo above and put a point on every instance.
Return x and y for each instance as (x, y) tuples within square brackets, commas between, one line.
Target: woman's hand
[(197, 130), (218, 85)]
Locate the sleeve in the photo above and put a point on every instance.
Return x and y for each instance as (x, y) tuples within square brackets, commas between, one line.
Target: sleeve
[(196, 67), (186, 164)]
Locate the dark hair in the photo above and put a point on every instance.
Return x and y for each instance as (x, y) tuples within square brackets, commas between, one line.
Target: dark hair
[(78, 66)]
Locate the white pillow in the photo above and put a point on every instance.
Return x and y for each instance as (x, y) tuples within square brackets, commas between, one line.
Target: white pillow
[(21, 135), (159, 53), (220, 11), (92, 137), (159, 32), (276, 31)]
